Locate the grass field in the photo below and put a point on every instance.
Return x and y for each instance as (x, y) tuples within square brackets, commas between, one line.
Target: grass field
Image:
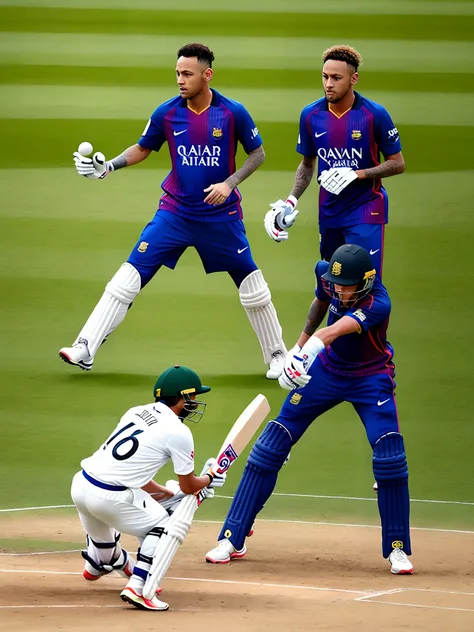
[(94, 70)]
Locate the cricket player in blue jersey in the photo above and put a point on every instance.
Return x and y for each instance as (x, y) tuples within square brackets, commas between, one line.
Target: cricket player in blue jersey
[(347, 133), (200, 207), (350, 360)]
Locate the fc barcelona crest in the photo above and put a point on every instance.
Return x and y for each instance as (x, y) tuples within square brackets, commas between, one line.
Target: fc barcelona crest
[(217, 132), (356, 134)]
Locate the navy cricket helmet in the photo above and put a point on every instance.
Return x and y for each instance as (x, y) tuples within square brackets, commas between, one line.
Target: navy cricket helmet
[(350, 265)]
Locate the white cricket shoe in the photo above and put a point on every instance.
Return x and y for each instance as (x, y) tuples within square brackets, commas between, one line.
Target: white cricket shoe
[(224, 552), (276, 366), (401, 565), (78, 355), (131, 596)]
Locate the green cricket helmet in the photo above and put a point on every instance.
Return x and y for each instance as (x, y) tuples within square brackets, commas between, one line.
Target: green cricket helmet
[(350, 265), (180, 381)]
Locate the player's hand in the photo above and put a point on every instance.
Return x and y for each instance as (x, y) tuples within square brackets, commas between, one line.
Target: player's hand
[(210, 467), (207, 492), (294, 373), (336, 179), (94, 168), (281, 216), (218, 193)]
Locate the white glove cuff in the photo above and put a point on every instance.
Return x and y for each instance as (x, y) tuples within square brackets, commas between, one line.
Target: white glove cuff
[(311, 348), (292, 200)]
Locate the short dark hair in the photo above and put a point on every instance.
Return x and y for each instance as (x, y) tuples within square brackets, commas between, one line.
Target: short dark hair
[(203, 53), (343, 53)]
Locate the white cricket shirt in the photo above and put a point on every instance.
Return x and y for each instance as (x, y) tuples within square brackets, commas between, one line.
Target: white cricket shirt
[(145, 439)]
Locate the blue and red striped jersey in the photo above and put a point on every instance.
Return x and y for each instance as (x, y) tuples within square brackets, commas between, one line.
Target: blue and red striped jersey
[(357, 139), (202, 149), (364, 353)]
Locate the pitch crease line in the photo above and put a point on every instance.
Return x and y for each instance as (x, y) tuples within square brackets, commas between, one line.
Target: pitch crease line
[(416, 605), (367, 593), (343, 524)]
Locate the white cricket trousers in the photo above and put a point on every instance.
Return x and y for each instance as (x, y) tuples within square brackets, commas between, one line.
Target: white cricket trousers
[(103, 512)]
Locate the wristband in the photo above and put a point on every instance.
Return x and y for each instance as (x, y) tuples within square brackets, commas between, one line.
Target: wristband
[(292, 200), (211, 478), (311, 348)]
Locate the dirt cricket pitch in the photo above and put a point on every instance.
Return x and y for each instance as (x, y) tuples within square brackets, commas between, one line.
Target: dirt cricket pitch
[(295, 577)]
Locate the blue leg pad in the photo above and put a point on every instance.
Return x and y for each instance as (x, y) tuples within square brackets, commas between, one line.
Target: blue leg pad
[(391, 473), (257, 483)]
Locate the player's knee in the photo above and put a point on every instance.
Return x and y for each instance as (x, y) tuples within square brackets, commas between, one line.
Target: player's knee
[(150, 542), (254, 291), (271, 449), (125, 284), (389, 459)]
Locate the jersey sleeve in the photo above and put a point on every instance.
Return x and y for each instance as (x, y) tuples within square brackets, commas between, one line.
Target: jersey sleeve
[(246, 131), (372, 311), (181, 448), (153, 135), (320, 292), (386, 134), (305, 144)]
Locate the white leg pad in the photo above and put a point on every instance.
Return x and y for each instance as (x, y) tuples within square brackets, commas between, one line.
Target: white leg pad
[(256, 299), (177, 529), (109, 312)]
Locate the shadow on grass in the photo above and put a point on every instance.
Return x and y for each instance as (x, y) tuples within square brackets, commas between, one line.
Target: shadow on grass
[(134, 380)]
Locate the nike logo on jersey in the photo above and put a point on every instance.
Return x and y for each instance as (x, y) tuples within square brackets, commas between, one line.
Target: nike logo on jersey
[(240, 250), (318, 135), (379, 403), (372, 252), (181, 132)]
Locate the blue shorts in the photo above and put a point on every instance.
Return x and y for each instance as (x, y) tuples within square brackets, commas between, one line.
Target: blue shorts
[(369, 236), (373, 398), (222, 246)]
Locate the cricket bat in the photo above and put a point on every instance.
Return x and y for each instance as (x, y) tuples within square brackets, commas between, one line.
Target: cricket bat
[(179, 524)]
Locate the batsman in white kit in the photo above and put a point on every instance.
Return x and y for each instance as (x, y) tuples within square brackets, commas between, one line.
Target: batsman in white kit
[(115, 492)]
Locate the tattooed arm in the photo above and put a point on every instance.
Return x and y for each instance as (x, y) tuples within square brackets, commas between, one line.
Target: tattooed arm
[(303, 176), (251, 164), (218, 193), (130, 156), (392, 166), (317, 312)]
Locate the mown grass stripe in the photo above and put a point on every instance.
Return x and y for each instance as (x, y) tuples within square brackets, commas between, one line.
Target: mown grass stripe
[(265, 105), (232, 77), (206, 24), (280, 53), (381, 7), (436, 193), (50, 143)]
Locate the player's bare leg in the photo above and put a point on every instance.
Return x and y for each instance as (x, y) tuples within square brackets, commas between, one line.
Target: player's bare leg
[(256, 299), (107, 315)]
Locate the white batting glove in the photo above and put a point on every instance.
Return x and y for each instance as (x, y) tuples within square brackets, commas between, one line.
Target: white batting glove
[(281, 216), (207, 492), (294, 373), (210, 467), (94, 168), (336, 179), (294, 350), (297, 365)]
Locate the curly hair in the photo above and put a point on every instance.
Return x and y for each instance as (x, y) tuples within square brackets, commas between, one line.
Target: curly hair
[(203, 53), (343, 53)]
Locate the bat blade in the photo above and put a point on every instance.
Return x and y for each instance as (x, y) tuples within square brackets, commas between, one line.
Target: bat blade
[(242, 432)]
